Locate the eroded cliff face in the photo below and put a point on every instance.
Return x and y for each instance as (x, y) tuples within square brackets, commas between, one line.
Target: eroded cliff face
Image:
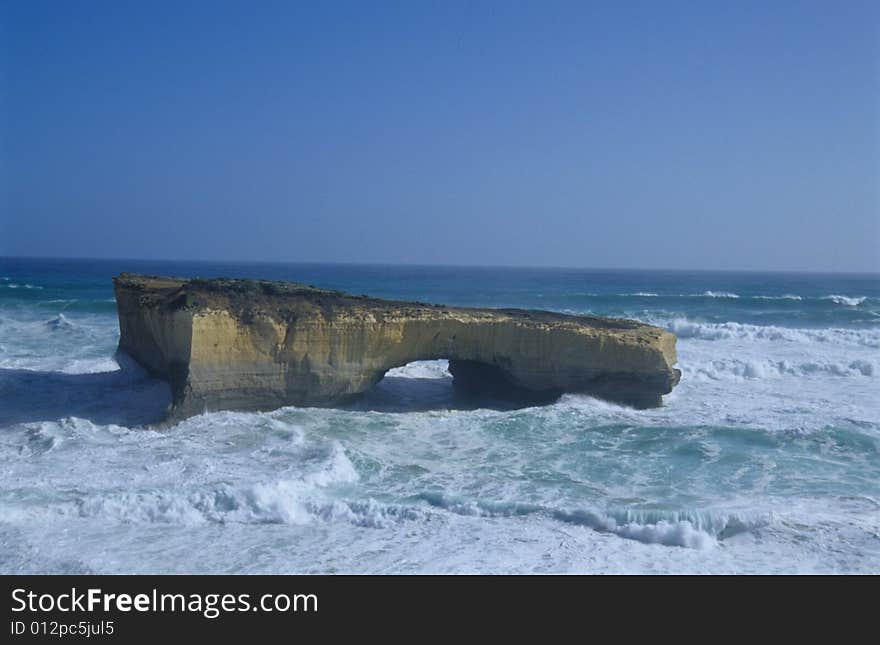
[(256, 345)]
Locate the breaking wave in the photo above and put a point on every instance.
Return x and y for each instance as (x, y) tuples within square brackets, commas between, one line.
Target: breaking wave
[(845, 300), (294, 500), (690, 529), (60, 322), (684, 328), (719, 294), (755, 369), (787, 296), (849, 301)]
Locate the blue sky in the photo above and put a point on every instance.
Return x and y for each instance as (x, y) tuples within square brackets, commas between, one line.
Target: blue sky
[(712, 135)]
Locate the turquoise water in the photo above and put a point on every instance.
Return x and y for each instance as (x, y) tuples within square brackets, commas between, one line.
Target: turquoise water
[(766, 458)]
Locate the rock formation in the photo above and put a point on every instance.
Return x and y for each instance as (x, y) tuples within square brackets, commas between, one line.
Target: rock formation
[(257, 345)]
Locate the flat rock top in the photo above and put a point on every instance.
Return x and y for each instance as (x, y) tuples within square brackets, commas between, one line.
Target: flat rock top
[(283, 298)]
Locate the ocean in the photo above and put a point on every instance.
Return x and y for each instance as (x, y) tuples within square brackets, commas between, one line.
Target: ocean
[(765, 459)]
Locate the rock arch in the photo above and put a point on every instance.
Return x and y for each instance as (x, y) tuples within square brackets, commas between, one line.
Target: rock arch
[(257, 345)]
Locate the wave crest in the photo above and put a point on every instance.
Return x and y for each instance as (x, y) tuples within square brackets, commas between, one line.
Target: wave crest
[(846, 300), (689, 529), (757, 369), (283, 501), (720, 294), (684, 328)]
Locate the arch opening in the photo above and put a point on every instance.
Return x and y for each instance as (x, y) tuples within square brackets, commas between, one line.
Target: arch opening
[(448, 384)]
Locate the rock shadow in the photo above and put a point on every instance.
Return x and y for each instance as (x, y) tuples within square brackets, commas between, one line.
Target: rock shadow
[(407, 394)]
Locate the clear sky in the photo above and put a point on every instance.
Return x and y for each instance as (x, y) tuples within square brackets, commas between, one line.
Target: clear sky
[(716, 135)]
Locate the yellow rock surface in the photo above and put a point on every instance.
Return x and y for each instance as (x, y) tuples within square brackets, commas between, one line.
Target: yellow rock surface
[(258, 345)]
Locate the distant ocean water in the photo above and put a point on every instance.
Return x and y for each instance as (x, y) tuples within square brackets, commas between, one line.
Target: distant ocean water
[(766, 458)]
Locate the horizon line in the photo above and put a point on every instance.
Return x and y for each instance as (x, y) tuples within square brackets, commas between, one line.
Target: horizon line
[(436, 265)]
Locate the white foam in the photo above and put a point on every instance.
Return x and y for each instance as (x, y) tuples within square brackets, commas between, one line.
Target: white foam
[(59, 322), (685, 328), (680, 533), (768, 368), (696, 530), (369, 513), (851, 301), (66, 342), (787, 296), (91, 366), (60, 364), (169, 498), (719, 294), (667, 533), (437, 369), (846, 300)]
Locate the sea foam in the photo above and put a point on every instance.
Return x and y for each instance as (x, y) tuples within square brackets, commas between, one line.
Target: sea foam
[(695, 530), (846, 300), (685, 328), (720, 294)]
